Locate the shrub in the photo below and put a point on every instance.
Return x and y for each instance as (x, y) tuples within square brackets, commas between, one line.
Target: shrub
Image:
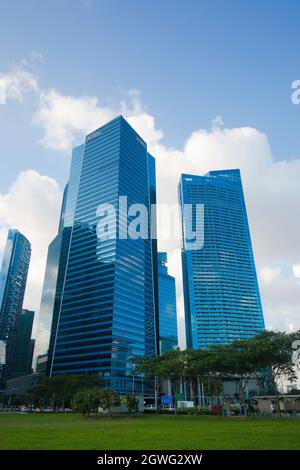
[(108, 399), (87, 401), (131, 403)]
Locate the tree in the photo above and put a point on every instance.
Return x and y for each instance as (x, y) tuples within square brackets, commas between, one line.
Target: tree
[(108, 399), (147, 366), (274, 358), (39, 396), (267, 356), (131, 403), (236, 360), (171, 366), (87, 401), (195, 367), (60, 389)]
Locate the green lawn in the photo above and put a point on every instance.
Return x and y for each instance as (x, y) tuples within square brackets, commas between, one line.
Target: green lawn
[(71, 431)]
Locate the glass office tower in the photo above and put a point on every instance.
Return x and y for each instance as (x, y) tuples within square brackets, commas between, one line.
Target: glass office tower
[(23, 349), (56, 265), (152, 189), (221, 294), (107, 309), (167, 313), (13, 280)]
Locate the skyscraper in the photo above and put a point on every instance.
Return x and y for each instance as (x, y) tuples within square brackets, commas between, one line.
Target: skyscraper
[(106, 310), (56, 265), (221, 294), (23, 348), (13, 279), (167, 313)]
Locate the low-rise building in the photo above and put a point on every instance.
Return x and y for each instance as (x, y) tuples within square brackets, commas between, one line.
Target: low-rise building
[(19, 386)]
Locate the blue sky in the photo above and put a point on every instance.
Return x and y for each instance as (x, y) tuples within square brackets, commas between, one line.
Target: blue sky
[(70, 63), (192, 60)]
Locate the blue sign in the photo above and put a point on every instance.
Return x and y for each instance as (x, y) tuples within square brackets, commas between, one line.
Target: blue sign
[(166, 400)]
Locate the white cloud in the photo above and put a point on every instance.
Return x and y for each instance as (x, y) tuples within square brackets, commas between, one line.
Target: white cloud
[(63, 118), (271, 188), (281, 301), (296, 270), (268, 274), (17, 83), (66, 119), (32, 206), (217, 122)]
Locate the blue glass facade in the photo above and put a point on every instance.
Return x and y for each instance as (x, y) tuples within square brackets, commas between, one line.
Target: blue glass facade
[(107, 309), (13, 280), (221, 294), (56, 264), (22, 355), (167, 313)]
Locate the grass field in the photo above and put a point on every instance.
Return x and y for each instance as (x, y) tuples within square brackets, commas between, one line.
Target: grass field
[(71, 431)]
